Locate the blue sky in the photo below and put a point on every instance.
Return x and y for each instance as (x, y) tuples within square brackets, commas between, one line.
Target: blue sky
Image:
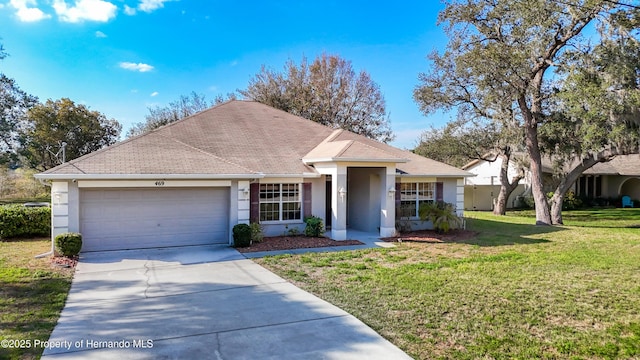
[(120, 57)]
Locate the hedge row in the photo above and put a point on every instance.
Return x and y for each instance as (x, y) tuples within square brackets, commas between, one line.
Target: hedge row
[(18, 220)]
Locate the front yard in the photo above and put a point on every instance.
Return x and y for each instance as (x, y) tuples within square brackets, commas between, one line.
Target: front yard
[(32, 294), (515, 291)]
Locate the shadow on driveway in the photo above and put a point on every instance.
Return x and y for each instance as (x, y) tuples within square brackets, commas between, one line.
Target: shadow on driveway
[(151, 304)]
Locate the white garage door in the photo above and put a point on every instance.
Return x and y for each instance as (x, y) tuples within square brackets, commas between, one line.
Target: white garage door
[(115, 219)]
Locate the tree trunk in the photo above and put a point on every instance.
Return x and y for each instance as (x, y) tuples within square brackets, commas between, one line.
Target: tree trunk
[(568, 179), (500, 205), (543, 216), (506, 187), (556, 207)]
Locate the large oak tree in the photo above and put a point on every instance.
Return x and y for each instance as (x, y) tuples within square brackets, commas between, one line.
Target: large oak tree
[(503, 58), (596, 113)]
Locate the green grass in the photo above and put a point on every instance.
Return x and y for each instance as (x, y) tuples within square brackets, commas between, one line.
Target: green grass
[(515, 291), (32, 294)]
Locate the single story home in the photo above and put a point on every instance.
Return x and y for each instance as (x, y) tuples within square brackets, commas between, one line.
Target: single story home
[(190, 182), (609, 180)]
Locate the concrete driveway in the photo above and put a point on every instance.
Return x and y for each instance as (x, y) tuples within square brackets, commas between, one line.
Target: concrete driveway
[(202, 302)]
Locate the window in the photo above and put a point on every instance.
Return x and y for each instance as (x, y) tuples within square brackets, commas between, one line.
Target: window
[(412, 195), (280, 202)]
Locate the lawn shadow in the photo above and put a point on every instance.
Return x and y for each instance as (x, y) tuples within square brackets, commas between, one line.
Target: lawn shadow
[(498, 233), (610, 218)]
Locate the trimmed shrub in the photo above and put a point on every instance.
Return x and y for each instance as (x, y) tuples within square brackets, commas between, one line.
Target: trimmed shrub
[(241, 235), (442, 215), (571, 201), (68, 244), (18, 220), (315, 226), (256, 232)]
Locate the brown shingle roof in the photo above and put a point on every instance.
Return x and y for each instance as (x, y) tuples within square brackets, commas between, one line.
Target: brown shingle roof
[(627, 165), (415, 164), (240, 137)]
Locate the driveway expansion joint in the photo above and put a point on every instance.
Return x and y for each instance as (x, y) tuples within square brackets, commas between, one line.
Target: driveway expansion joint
[(148, 278), (216, 349), (217, 333)]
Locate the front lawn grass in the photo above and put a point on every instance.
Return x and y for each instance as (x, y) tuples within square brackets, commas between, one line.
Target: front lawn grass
[(515, 291), (32, 294)]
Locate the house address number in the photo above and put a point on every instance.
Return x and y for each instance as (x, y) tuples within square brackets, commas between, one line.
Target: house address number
[(160, 183)]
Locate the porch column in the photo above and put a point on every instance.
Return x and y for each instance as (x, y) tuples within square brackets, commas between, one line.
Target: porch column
[(339, 203), (388, 203)]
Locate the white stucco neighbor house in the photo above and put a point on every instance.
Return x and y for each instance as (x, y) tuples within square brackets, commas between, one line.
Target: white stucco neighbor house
[(610, 180), (481, 190), (190, 182)]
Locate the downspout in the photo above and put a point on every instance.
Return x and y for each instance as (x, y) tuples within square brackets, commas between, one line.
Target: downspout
[(52, 251)]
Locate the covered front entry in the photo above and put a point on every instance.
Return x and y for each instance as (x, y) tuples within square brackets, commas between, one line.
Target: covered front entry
[(362, 197), (364, 189), (115, 219)]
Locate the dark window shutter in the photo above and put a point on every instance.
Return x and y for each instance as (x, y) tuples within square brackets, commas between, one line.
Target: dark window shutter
[(254, 200), (306, 196), (439, 191)]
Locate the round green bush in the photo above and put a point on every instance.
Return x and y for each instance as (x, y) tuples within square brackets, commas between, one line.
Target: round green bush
[(241, 235), (314, 227), (69, 244)]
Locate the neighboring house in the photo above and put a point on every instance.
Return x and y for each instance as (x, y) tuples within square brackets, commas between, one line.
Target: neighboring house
[(482, 190), (190, 182), (613, 179)]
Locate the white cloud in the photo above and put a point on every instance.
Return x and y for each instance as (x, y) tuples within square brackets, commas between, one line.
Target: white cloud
[(136, 67), (155, 93), (91, 10), (129, 10), (100, 34), (151, 5), (26, 13)]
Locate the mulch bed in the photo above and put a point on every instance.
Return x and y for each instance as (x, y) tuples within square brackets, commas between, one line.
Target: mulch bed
[(430, 236), (64, 262), (294, 242)]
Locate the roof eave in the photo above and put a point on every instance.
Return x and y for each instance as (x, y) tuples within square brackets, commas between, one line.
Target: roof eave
[(145, 176), (437, 175), (303, 175), (322, 160)]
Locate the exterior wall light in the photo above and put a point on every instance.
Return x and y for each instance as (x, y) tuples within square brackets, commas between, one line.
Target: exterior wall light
[(57, 197), (342, 193), (392, 192)]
